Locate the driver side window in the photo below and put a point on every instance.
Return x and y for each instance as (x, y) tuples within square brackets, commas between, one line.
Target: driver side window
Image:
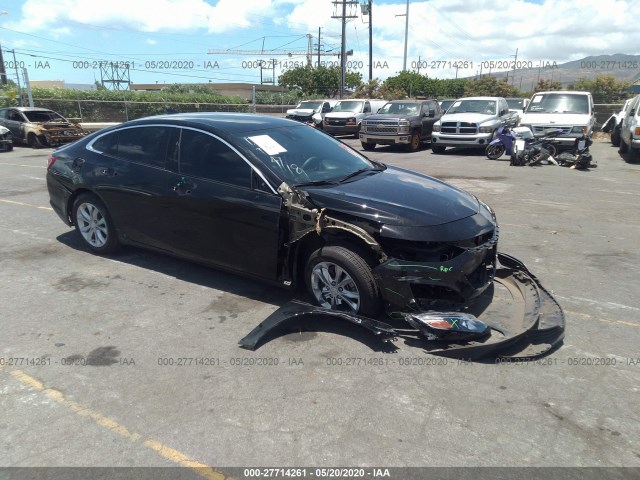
[(205, 156)]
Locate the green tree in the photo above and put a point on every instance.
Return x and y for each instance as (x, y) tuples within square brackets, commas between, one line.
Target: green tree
[(604, 88), (320, 81), (547, 85), (491, 87)]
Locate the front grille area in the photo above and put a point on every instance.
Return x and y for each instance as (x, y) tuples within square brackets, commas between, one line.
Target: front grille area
[(332, 121), (539, 129), (462, 128), (381, 129), (300, 118)]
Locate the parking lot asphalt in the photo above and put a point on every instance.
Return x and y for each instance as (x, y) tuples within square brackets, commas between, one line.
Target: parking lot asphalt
[(132, 359)]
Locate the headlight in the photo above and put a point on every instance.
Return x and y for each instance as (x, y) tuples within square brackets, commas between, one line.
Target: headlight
[(404, 126), (486, 129), (436, 127), (579, 129)]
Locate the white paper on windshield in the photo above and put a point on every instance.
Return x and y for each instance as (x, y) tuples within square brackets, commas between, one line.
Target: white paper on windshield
[(537, 99), (268, 144), (456, 104)]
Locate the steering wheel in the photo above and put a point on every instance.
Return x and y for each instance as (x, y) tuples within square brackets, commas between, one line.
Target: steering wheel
[(296, 170), (309, 161)]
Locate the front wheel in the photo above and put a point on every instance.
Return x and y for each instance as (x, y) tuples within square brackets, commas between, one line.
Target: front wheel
[(94, 224), (35, 141), (414, 143), (494, 150), (623, 146), (340, 279), (368, 146), (438, 148)]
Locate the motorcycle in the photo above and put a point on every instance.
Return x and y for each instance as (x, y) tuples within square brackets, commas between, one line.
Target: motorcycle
[(533, 151), (578, 156), (506, 138)]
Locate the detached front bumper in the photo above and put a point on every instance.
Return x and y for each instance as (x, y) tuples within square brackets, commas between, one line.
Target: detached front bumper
[(522, 321)]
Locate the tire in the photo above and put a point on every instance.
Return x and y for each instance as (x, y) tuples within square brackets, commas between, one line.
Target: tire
[(634, 155), (94, 225), (615, 136), (368, 146), (437, 148), (494, 151), (414, 144), (338, 278), (551, 148), (35, 141), (623, 146)]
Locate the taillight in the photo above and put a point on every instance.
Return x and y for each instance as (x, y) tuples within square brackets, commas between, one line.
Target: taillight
[(52, 160)]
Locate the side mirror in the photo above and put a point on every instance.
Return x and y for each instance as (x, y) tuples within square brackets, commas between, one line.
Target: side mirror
[(632, 112)]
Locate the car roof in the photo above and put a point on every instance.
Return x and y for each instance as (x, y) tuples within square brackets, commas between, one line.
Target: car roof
[(32, 109), (480, 98), (231, 123)]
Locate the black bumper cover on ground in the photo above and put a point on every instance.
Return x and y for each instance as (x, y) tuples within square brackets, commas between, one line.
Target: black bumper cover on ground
[(524, 320)]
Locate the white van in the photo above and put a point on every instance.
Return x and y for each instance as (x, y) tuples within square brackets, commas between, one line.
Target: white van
[(569, 111), (346, 117)]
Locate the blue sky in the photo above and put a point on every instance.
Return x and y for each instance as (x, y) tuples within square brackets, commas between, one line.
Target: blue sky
[(168, 41)]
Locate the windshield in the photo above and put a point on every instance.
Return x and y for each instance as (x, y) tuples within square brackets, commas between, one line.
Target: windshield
[(310, 105), (487, 107), (402, 108), (348, 106), (559, 103), (301, 154), (515, 103), (445, 104), (43, 116)]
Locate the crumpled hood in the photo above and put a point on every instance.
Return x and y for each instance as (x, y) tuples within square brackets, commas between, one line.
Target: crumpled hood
[(301, 112), (467, 117), (571, 119), (396, 197)]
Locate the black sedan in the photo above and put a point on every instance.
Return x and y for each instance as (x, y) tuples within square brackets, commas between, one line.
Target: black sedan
[(280, 201)]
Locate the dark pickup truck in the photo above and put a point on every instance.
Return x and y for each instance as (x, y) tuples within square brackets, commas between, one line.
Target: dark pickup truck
[(405, 122)]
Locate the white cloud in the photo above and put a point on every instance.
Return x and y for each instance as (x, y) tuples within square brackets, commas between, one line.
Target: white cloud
[(142, 15)]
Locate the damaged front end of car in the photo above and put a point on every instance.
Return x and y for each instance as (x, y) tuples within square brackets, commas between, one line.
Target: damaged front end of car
[(444, 288), (54, 134)]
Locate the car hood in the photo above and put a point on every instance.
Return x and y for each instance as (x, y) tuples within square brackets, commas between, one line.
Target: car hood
[(467, 117), (301, 111), (555, 118), (341, 114), (390, 116), (396, 197)]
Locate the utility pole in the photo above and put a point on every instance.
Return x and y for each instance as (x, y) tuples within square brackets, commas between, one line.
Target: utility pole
[(406, 35), (3, 73), (319, 30), (515, 61), (366, 10), (343, 49), (309, 50)]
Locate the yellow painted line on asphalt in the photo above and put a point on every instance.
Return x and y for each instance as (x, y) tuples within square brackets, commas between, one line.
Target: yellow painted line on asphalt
[(20, 165), (164, 451), (25, 204), (621, 322)]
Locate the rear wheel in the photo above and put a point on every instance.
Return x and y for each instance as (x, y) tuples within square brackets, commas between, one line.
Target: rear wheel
[(494, 150), (368, 146), (615, 136), (338, 278), (438, 148), (94, 225)]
